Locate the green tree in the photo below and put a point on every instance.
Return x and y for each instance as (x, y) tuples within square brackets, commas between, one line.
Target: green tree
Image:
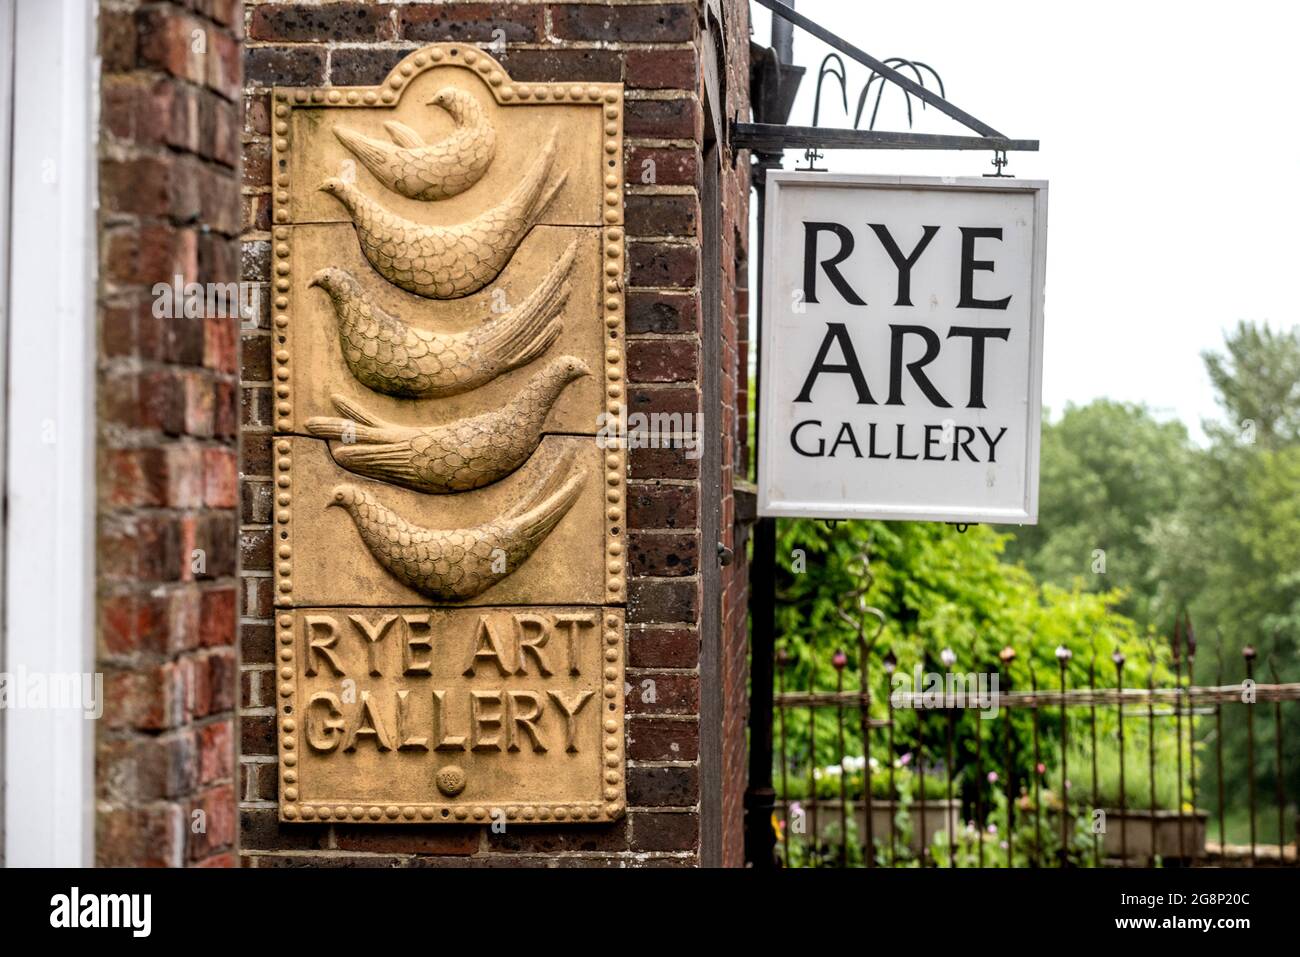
[(1257, 378), (1110, 473)]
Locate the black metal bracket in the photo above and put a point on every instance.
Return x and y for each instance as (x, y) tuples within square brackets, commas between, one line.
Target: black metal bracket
[(774, 137)]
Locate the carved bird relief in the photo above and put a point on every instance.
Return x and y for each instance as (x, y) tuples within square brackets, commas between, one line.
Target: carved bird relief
[(446, 262), (455, 564), (428, 171), (389, 356), (457, 457)]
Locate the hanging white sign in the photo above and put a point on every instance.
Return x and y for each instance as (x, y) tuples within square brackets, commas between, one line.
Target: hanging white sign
[(902, 342)]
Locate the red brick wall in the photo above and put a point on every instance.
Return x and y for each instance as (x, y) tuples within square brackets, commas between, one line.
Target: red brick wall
[(653, 48), (168, 434), (734, 188)]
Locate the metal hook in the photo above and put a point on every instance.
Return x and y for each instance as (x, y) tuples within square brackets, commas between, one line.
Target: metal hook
[(999, 161), (812, 155)]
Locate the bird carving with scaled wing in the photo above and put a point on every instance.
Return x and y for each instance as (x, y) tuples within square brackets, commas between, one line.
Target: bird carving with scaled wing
[(428, 171), (387, 355), (462, 455), (447, 262), (456, 564)]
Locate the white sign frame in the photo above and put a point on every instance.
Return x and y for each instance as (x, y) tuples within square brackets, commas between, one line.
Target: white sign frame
[(1027, 514)]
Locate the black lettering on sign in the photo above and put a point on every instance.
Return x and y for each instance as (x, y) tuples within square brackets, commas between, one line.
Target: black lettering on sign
[(969, 264), (903, 263), (977, 356), (931, 339), (794, 440), (836, 333), (831, 265)]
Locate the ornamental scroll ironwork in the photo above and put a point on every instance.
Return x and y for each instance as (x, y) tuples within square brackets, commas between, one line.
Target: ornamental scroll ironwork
[(447, 283)]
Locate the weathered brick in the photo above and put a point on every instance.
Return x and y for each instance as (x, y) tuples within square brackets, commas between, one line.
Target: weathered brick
[(560, 64), (257, 734), (670, 463), (663, 360), (662, 739), (654, 311), (662, 506), (255, 364), (664, 400), (334, 22), (317, 861), (473, 22), (256, 643), (260, 828), (661, 166), (662, 787), (364, 66), (255, 549), (656, 23), (558, 838), (167, 42), (655, 600), (284, 66), (444, 839), (661, 264), (139, 837), (118, 39), (661, 119), (216, 752), (671, 215), (678, 831), (661, 694), (212, 822), (217, 617), (220, 478), (662, 69), (660, 647), (662, 554)]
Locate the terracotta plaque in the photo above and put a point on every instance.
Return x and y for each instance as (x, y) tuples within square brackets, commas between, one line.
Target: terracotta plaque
[(447, 282)]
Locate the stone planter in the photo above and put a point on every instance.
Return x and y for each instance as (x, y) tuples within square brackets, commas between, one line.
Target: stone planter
[(1146, 834), (940, 815)]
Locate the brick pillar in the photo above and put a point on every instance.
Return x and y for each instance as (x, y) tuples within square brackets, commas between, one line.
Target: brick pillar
[(653, 48), (168, 433), (734, 191)]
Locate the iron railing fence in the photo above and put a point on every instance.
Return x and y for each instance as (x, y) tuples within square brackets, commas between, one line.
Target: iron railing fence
[(952, 791)]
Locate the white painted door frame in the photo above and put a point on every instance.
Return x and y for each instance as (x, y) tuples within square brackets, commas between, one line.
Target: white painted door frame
[(49, 428)]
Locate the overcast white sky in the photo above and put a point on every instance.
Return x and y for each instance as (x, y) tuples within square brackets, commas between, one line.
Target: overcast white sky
[(1171, 139)]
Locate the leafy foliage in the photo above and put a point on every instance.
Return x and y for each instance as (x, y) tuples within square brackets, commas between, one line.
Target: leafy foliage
[(1213, 530), (1108, 471)]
